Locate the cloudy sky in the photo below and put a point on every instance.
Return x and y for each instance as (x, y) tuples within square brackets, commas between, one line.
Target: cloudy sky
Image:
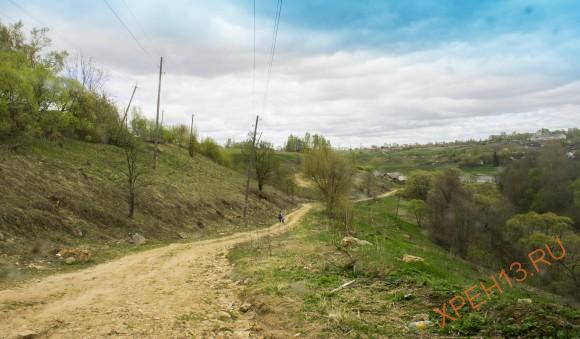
[(358, 71)]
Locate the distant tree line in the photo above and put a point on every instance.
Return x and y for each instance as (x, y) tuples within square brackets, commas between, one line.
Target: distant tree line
[(536, 202), (306, 143)]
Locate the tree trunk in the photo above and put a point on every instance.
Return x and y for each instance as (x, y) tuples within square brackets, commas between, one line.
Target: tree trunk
[(131, 203)]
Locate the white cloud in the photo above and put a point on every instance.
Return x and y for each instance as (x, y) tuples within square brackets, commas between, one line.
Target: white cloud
[(456, 90)]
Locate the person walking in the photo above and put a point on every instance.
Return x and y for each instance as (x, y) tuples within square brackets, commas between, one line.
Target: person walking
[(281, 217)]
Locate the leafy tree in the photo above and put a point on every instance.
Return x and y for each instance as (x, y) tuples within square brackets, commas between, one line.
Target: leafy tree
[(141, 126), (495, 159), (265, 163), (293, 144), (520, 182), (308, 142), (418, 208), (17, 102), (331, 174), (533, 230), (209, 148), (180, 134), (521, 228), (555, 175), (369, 179), (450, 212), (284, 180), (36, 100), (418, 185)]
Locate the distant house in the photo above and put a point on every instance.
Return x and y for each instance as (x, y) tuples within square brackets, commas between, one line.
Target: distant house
[(485, 179), (396, 176), (546, 135), (477, 178)]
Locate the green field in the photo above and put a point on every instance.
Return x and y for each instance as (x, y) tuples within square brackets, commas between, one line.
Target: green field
[(433, 158)]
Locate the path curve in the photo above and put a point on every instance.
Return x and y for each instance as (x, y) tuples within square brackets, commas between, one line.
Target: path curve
[(176, 291)]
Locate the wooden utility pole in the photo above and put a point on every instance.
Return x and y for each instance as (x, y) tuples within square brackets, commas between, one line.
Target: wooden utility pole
[(125, 120), (191, 129), (248, 171), (156, 155), (190, 148)]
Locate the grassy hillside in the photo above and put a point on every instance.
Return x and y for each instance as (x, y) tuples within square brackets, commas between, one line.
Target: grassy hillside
[(292, 163), (431, 158), (289, 279), (74, 195)]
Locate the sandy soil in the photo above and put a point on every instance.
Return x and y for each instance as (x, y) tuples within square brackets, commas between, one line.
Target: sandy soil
[(178, 291)]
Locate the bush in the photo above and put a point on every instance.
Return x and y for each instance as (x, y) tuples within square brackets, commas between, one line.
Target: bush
[(36, 101), (209, 148)]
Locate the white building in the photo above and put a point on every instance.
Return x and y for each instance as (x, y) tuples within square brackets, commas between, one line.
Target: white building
[(545, 135)]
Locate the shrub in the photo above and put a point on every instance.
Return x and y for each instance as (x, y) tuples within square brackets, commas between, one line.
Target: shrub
[(209, 148)]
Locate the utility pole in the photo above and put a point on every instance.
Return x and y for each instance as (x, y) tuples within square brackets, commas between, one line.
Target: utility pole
[(125, 120), (190, 146), (248, 171), (156, 155), (191, 129)]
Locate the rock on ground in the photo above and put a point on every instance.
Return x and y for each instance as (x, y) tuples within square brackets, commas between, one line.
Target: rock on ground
[(77, 254), (137, 239), (412, 258), (349, 241), (28, 334)]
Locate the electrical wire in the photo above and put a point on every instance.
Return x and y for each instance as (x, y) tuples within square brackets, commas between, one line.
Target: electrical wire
[(43, 24), (254, 63), (127, 28), (136, 20), (272, 52), (6, 16)]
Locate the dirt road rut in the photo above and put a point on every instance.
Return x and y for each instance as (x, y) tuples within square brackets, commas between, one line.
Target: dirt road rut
[(177, 291)]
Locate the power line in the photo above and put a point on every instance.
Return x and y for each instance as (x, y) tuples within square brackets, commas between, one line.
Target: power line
[(254, 65), (135, 19), (43, 24), (6, 16), (272, 51), (126, 27), (27, 13)]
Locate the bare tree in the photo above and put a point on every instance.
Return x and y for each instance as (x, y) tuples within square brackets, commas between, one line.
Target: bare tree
[(134, 171), (85, 71), (369, 181)]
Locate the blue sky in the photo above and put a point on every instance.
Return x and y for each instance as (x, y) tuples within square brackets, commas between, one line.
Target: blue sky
[(361, 72)]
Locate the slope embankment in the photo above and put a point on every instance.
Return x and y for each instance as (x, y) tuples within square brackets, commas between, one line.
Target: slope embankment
[(74, 195)]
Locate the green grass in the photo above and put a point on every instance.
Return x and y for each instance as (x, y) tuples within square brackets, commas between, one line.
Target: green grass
[(289, 159), (431, 158), (293, 284)]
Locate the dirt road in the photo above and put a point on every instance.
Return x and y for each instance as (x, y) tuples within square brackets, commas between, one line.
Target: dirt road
[(178, 291)]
